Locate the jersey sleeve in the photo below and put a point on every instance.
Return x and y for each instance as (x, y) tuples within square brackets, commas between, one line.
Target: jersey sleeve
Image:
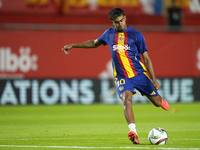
[(140, 42), (103, 38)]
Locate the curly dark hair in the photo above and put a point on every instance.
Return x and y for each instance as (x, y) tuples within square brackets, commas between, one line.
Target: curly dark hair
[(116, 12)]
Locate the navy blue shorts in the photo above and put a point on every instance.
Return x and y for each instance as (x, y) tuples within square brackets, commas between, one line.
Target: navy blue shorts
[(140, 82)]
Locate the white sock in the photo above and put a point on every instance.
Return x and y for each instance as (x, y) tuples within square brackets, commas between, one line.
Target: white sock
[(132, 127)]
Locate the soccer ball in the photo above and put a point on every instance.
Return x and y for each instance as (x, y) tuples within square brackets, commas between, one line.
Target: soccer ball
[(158, 136)]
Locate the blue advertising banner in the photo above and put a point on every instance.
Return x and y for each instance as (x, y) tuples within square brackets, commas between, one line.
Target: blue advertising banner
[(88, 91)]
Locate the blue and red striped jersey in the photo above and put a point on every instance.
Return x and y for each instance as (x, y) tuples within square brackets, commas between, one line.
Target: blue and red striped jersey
[(126, 48)]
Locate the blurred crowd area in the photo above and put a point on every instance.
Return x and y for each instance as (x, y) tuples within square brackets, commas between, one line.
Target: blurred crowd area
[(138, 12), (157, 7), (64, 7)]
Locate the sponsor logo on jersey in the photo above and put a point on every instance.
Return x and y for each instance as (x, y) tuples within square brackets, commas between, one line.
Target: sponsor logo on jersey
[(121, 48)]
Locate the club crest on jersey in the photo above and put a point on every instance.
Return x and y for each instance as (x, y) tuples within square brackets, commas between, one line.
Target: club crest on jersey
[(121, 39), (121, 48), (121, 88)]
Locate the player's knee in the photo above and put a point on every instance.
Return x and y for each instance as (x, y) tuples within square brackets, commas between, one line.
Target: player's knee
[(126, 98)]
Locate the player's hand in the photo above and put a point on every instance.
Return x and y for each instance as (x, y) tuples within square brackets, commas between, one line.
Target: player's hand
[(66, 48), (156, 85)]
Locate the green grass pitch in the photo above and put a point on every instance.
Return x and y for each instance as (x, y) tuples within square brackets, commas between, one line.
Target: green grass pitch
[(96, 126)]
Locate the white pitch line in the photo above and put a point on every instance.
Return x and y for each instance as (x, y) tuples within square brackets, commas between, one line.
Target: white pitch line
[(85, 147), (186, 139)]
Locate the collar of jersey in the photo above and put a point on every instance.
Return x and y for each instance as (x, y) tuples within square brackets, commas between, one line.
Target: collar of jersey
[(123, 30)]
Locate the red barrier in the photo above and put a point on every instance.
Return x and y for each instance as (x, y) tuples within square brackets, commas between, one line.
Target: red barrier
[(38, 54), (174, 54)]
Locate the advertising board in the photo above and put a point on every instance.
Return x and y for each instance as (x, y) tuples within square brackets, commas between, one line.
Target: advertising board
[(34, 69)]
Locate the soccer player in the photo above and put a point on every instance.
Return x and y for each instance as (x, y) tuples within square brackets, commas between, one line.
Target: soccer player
[(127, 45)]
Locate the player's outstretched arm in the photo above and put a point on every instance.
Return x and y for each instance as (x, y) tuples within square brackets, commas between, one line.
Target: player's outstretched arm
[(149, 66), (87, 44)]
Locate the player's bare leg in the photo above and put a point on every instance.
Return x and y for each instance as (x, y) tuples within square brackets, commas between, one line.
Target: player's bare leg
[(126, 98), (158, 101)]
